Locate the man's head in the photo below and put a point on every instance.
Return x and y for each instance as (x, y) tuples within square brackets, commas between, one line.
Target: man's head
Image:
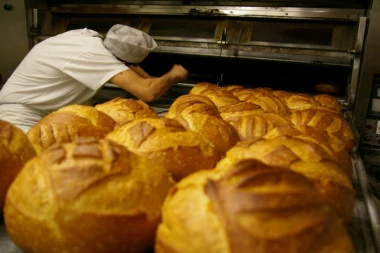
[(128, 44)]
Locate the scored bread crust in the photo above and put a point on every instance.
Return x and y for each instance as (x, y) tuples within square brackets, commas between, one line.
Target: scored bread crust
[(168, 143), (123, 110), (333, 123), (303, 157), (251, 207), (15, 151), (67, 124), (195, 113), (86, 196), (218, 95), (332, 145)]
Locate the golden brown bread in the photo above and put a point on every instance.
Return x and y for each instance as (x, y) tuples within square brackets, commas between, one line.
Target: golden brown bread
[(220, 96), (67, 124), (168, 143), (296, 101), (251, 208), (328, 101), (332, 145), (251, 93), (86, 196), (204, 119), (303, 101), (200, 87), (123, 110), (303, 157), (192, 103), (239, 109), (265, 99), (333, 123), (15, 151), (233, 88), (251, 124)]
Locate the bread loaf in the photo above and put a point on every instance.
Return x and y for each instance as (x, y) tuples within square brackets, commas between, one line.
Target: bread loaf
[(251, 120), (221, 97), (296, 101), (332, 122), (67, 124), (303, 101), (332, 145), (86, 196), (328, 102), (15, 151), (304, 157), (234, 88), (251, 93), (240, 108), (169, 144), (252, 208), (123, 110), (192, 103), (265, 99), (203, 120)]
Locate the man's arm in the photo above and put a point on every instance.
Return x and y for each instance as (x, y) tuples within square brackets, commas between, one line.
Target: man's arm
[(145, 87), (139, 71)]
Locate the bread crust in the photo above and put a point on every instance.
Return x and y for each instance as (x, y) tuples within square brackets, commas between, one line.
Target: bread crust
[(123, 110), (303, 157), (251, 207), (168, 143), (68, 124), (15, 151), (86, 196)]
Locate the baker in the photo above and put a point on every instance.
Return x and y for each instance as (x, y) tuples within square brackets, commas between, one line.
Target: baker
[(71, 67)]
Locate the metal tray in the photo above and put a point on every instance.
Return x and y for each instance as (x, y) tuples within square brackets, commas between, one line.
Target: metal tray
[(364, 227)]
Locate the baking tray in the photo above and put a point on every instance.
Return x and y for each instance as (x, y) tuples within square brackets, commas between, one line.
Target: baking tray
[(364, 227)]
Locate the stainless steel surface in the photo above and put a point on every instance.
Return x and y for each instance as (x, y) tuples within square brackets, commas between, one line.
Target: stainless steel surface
[(310, 35), (232, 11), (357, 60), (366, 211), (369, 68), (6, 244)]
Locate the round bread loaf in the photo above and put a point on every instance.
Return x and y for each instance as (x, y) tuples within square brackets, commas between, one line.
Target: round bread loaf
[(239, 109), (86, 196), (15, 151), (251, 124), (265, 99), (169, 144), (329, 102), (233, 88), (252, 208), (251, 93), (296, 101), (332, 145), (220, 96), (333, 123), (192, 103), (67, 124), (304, 157), (204, 119), (123, 110)]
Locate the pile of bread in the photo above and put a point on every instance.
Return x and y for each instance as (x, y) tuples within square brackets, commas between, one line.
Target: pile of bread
[(229, 170)]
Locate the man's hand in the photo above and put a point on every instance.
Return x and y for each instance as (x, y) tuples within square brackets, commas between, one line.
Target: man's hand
[(149, 88), (178, 73)]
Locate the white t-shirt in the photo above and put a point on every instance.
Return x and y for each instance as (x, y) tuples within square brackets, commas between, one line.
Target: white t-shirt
[(65, 69)]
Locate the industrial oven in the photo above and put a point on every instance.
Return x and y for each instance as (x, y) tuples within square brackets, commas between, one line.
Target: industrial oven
[(311, 46)]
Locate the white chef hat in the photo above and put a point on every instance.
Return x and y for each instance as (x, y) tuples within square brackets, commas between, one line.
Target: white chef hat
[(129, 44)]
